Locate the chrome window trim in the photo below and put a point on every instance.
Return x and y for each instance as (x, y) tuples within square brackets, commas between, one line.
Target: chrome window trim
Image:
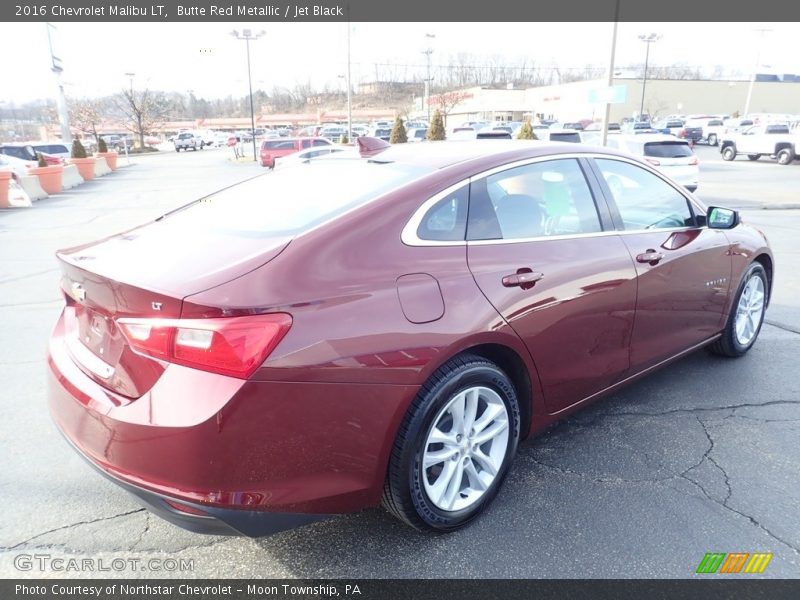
[(409, 234)]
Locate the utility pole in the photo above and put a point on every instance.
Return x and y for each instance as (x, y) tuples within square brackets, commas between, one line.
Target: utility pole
[(611, 73), (427, 92), (349, 90), (647, 39), (761, 31), (61, 99), (247, 35)]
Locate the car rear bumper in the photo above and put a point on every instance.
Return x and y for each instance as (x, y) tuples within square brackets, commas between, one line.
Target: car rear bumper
[(254, 456)]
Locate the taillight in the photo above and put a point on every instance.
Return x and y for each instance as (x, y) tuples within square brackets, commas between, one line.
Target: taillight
[(694, 161), (653, 161), (682, 133), (234, 346)]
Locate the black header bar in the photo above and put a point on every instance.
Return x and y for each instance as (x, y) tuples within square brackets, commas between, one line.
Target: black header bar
[(271, 11)]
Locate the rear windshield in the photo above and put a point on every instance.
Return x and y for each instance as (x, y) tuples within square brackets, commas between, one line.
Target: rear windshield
[(777, 129), (51, 148), (291, 201), (382, 132), (565, 137), (667, 149)]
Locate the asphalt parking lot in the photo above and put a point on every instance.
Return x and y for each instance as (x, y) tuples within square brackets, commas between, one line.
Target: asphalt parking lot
[(699, 457)]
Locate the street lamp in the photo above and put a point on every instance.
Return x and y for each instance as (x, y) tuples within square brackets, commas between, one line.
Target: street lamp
[(130, 77), (647, 39), (761, 32), (247, 35), (427, 92)]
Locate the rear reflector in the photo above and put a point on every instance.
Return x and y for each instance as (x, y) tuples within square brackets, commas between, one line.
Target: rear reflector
[(234, 346), (189, 510)]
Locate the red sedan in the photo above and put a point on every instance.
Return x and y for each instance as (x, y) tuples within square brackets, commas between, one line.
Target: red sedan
[(342, 333)]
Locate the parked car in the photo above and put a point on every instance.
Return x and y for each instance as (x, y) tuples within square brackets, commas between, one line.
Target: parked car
[(18, 166), (670, 155), (417, 134), (333, 133), (381, 132), (775, 140), (315, 153), (560, 135), (27, 152), (668, 126), (188, 140), (273, 149), (713, 131), (634, 126), (318, 340), (55, 149), (692, 130)]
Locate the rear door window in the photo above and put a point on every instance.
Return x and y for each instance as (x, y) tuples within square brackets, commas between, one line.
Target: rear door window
[(548, 198)]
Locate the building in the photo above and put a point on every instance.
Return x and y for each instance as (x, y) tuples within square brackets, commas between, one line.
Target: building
[(664, 97), (574, 101)]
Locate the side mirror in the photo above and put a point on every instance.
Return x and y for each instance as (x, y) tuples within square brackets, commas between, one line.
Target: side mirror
[(721, 218)]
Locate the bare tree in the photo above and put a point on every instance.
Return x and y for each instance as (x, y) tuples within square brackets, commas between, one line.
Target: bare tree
[(448, 101), (86, 114), (142, 111)]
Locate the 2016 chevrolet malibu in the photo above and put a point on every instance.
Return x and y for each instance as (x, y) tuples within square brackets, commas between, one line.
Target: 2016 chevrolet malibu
[(339, 334)]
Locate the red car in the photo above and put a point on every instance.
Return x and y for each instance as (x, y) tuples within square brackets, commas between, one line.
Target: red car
[(344, 333), (277, 147)]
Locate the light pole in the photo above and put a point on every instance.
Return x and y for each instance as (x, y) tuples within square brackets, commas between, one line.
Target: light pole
[(349, 91), (130, 77), (762, 32), (607, 113), (247, 35), (58, 69), (427, 93), (647, 39)]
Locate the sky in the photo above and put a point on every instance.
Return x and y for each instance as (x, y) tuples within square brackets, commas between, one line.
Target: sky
[(205, 58)]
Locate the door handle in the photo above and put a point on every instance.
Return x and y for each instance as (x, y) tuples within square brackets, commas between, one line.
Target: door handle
[(650, 256), (523, 278)]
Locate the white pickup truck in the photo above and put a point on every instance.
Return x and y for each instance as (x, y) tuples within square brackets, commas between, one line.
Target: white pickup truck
[(774, 140)]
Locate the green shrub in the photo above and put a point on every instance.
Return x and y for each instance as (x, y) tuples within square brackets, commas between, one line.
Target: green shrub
[(526, 132), (436, 130), (78, 151), (102, 146), (398, 132), (41, 160)]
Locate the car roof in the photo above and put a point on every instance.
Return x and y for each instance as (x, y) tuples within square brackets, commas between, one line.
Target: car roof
[(645, 138), (440, 155)]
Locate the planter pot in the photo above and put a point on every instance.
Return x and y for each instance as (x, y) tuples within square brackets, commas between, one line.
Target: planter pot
[(5, 178), (85, 167), (111, 158), (50, 178)]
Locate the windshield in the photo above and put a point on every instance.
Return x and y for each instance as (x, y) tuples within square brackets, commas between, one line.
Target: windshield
[(293, 200), (667, 149)]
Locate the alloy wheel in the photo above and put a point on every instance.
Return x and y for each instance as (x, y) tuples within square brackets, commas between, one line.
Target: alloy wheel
[(465, 448), (749, 310)]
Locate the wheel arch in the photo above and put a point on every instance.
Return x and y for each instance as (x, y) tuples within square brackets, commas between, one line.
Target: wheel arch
[(512, 364), (766, 261)]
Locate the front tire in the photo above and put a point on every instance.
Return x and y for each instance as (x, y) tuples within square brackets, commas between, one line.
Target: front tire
[(454, 447), (747, 314), (728, 153), (785, 156)]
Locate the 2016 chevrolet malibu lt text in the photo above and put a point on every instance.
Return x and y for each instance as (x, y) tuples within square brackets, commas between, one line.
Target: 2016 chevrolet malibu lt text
[(342, 333)]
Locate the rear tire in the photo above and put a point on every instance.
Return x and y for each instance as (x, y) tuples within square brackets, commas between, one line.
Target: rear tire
[(747, 314), (712, 140), (441, 474)]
